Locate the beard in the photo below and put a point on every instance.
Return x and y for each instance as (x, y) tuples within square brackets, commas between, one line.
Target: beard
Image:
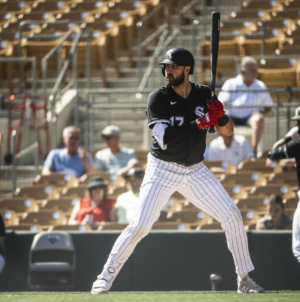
[(175, 82)]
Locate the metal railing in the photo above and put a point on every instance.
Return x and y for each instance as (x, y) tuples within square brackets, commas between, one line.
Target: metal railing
[(24, 152), (55, 91)]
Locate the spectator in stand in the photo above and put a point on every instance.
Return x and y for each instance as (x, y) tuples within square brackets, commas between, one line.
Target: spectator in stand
[(275, 218), (128, 202), (234, 148), (251, 116), (95, 209), (72, 158), (292, 134), (2, 237), (114, 158)]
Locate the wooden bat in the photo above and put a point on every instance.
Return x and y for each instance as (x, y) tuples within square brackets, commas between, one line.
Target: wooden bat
[(214, 50)]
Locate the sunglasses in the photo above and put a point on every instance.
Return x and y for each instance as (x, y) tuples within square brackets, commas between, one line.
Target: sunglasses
[(74, 138)]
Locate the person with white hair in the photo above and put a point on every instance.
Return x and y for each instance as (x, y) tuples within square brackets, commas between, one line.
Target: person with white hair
[(71, 159), (253, 115)]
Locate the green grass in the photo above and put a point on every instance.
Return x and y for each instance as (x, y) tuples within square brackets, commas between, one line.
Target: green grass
[(148, 297)]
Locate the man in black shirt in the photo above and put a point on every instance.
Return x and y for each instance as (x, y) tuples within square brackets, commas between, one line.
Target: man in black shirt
[(179, 115), (290, 148)]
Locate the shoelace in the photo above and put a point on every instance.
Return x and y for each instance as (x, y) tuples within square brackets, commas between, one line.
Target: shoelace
[(250, 280)]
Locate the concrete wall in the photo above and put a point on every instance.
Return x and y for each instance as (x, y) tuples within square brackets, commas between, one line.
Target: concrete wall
[(167, 260)]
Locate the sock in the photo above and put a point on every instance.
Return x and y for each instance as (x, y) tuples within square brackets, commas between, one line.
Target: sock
[(241, 276)]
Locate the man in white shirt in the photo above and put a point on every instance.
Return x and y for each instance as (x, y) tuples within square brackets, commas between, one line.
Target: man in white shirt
[(114, 158), (234, 148), (252, 116)]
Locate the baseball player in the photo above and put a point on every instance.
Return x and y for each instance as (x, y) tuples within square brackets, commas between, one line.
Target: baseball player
[(291, 149), (179, 115)]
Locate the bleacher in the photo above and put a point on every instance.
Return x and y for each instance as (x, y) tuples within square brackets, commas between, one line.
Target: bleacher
[(47, 204)]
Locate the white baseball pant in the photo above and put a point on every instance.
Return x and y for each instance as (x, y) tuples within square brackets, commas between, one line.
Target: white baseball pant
[(197, 184), (296, 231)]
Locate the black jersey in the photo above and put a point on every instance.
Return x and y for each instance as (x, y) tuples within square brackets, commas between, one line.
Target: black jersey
[(166, 106)]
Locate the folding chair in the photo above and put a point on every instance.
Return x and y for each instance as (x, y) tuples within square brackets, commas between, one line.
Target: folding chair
[(52, 262)]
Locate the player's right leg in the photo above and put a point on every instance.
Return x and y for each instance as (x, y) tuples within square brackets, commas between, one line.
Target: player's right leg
[(296, 232), (161, 180)]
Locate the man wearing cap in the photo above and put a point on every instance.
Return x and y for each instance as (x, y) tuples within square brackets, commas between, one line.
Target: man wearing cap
[(292, 134), (96, 208), (127, 203), (179, 115), (251, 116), (114, 157)]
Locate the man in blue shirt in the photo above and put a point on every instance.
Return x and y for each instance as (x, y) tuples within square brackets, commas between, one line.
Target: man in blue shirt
[(71, 159)]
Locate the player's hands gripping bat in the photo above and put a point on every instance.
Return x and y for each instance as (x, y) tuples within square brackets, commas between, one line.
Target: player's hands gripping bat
[(209, 119), (214, 49), (216, 107)]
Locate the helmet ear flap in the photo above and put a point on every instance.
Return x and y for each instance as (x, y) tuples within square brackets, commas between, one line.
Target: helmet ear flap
[(163, 69)]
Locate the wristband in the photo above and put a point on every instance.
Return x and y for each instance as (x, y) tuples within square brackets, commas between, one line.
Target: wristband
[(223, 120)]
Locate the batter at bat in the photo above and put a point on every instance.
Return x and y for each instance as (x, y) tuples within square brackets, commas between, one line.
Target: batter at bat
[(179, 115)]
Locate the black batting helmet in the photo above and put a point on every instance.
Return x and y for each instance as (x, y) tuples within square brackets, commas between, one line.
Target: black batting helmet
[(179, 57)]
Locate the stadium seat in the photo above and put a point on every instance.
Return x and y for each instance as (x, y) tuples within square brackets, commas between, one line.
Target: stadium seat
[(55, 267), (220, 166), (188, 216), (10, 217), (251, 226), (209, 226), (19, 205), (65, 204), (55, 179), (245, 178), (24, 227), (279, 77), (49, 6), (44, 218), (251, 14), (80, 191), (112, 226), (283, 178), (258, 165), (170, 226), (249, 216), (105, 175), (66, 227), (37, 192), (263, 154), (141, 155), (291, 203), (236, 191), (256, 203), (285, 191), (187, 205)]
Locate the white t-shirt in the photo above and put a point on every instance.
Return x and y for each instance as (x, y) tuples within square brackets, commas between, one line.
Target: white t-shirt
[(244, 98), (239, 150), (293, 133)]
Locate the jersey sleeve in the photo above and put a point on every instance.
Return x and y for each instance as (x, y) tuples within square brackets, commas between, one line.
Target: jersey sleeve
[(157, 111)]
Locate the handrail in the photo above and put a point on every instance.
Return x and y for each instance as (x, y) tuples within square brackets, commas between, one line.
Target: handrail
[(161, 46), (140, 27), (52, 97), (48, 55), (14, 136)]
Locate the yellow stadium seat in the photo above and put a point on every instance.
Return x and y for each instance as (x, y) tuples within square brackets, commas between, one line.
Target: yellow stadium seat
[(37, 192), (44, 218), (19, 204)]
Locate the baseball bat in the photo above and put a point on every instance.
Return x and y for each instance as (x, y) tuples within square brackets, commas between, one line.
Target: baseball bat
[(214, 49)]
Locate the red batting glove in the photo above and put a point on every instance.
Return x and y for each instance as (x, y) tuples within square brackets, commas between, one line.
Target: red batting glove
[(209, 119), (216, 107)]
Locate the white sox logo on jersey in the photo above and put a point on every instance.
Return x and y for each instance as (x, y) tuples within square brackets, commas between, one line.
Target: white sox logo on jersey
[(199, 111)]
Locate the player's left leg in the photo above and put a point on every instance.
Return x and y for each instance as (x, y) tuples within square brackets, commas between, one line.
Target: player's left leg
[(296, 232), (207, 193)]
